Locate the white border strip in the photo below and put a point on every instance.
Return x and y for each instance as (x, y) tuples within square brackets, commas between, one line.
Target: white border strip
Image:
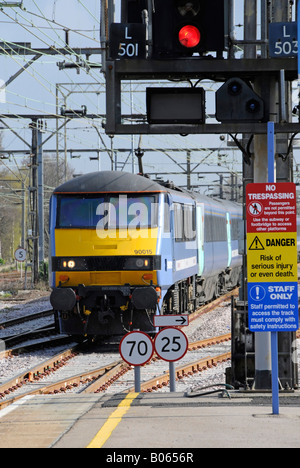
[(186, 263), (15, 405)]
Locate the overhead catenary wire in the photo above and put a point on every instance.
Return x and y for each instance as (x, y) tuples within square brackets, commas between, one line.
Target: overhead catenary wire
[(43, 34), (46, 43)]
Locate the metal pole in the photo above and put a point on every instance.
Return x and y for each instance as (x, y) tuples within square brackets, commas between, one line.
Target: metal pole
[(65, 146), (57, 138), (268, 87), (137, 379), (23, 215), (263, 363), (188, 169), (275, 373), (40, 196), (150, 27), (274, 335), (264, 27), (231, 33), (103, 32), (33, 204), (282, 94), (298, 27), (260, 165), (250, 27), (172, 377)]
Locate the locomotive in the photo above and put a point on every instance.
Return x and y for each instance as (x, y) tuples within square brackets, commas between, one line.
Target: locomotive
[(124, 248)]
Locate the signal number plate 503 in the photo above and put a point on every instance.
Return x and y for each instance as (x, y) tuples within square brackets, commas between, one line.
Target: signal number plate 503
[(283, 40)]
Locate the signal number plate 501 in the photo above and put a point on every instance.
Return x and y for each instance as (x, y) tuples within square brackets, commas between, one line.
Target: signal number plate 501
[(127, 41)]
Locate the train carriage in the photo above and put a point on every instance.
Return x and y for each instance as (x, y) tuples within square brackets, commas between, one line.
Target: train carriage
[(123, 247)]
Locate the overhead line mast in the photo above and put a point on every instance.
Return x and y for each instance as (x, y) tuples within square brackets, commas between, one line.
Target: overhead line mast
[(189, 40)]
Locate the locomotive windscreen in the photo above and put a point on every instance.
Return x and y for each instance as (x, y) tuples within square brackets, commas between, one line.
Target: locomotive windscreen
[(106, 211)]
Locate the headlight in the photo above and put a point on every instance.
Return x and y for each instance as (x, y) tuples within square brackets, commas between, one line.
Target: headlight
[(69, 264), (142, 263), (138, 263), (106, 263)]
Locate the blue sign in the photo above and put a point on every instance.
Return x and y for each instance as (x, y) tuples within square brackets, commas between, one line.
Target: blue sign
[(273, 307), (283, 40)]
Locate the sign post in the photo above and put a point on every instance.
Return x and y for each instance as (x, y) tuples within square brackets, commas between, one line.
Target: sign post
[(171, 345), (298, 37), (136, 348), (20, 256), (272, 260), (274, 335)]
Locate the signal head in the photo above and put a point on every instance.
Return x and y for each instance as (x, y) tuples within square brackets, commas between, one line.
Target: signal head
[(234, 88), (188, 8), (189, 36), (253, 106)]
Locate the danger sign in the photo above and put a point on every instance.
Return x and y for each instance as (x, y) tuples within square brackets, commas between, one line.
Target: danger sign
[(272, 257)]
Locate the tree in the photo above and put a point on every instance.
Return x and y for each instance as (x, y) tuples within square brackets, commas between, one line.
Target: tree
[(14, 185), (10, 214)]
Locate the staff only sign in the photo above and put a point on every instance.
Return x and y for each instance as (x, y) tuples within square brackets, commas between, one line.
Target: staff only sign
[(272, 257)]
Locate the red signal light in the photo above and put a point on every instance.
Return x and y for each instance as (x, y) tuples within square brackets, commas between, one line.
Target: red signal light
[(189, 36)]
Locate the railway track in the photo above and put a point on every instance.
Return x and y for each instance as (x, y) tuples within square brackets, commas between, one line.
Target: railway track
[(28, 333), (25, 318), (13, 279), (56, 375), (98, 379)]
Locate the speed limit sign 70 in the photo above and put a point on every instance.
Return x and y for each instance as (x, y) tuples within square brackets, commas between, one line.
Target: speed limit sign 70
[(136, 348), (171, 344)]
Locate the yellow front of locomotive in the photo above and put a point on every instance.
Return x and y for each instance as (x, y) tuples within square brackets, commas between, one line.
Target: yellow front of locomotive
[(104, 261), (74, 268)]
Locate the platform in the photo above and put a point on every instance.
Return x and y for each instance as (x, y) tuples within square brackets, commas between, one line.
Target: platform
[(166, 420)]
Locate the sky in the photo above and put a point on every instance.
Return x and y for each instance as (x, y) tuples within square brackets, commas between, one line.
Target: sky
[(41, 23)]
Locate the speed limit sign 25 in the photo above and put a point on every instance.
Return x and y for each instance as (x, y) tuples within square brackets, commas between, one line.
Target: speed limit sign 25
[(171, 344)]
